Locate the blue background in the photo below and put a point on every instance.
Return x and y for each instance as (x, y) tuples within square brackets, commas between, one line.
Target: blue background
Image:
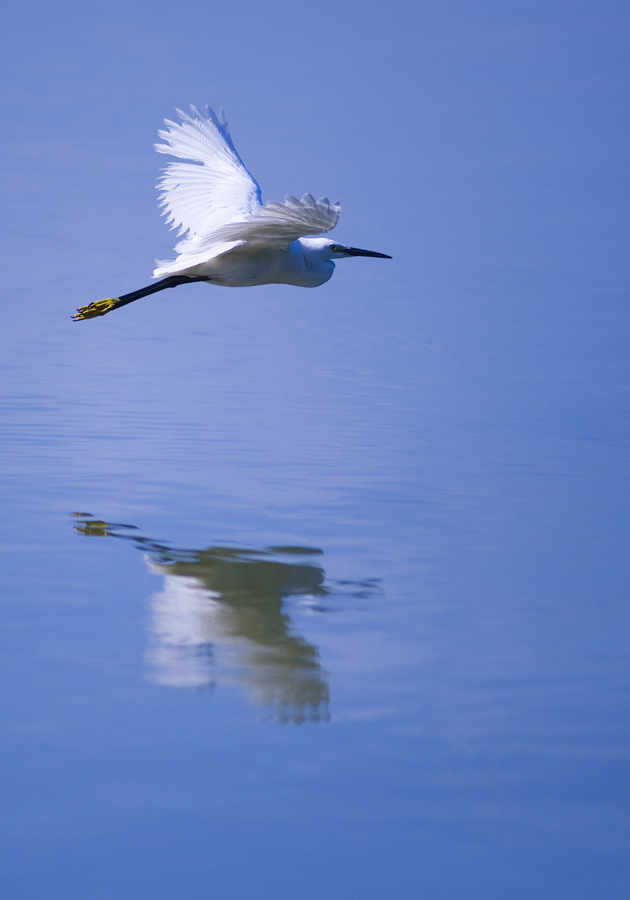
[(452, 424)]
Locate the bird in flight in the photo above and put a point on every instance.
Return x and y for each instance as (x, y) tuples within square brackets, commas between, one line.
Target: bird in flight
[(228, 237)]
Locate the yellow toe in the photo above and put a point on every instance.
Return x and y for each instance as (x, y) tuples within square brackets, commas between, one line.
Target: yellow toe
[(98, 308)]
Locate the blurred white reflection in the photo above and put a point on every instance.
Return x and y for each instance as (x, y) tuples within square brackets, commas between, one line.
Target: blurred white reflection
[(227, 603), (219, 617), (182, 631)]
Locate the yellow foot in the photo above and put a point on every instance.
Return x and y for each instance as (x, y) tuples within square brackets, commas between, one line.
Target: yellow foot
[(98, 308)]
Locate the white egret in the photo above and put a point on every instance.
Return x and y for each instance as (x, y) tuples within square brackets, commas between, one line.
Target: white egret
[(230, 238)]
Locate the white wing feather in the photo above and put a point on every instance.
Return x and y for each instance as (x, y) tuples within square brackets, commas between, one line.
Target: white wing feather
[(212, 189), (216, 202)]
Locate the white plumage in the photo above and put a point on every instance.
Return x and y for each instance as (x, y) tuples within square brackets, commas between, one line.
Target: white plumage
[(228, 237), (215, 202)]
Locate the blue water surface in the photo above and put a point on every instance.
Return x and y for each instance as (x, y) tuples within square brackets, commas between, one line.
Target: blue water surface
[(321, 594)]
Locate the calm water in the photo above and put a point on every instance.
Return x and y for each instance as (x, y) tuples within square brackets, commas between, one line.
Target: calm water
[(318, 595)]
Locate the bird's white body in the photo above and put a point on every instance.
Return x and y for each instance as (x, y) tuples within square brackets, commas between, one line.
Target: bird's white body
[(301, 264), (230, 238)]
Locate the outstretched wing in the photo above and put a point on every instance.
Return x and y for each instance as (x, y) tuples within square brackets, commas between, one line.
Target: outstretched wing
[(280, 223), (212, 189)]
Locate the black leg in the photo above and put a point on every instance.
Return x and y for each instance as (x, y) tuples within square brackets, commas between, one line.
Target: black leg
[(101, 307)]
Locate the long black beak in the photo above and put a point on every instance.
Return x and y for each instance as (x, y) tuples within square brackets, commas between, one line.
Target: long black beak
[(352, 251)]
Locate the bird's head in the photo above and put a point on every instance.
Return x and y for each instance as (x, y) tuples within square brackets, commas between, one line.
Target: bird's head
[(327, 249)]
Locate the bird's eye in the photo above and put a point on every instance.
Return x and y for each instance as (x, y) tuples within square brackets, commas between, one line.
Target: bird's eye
[(335, 248)]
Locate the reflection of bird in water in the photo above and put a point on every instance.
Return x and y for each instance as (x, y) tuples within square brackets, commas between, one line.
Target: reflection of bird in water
[(229, 602), (231, 239), (233, 598)]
